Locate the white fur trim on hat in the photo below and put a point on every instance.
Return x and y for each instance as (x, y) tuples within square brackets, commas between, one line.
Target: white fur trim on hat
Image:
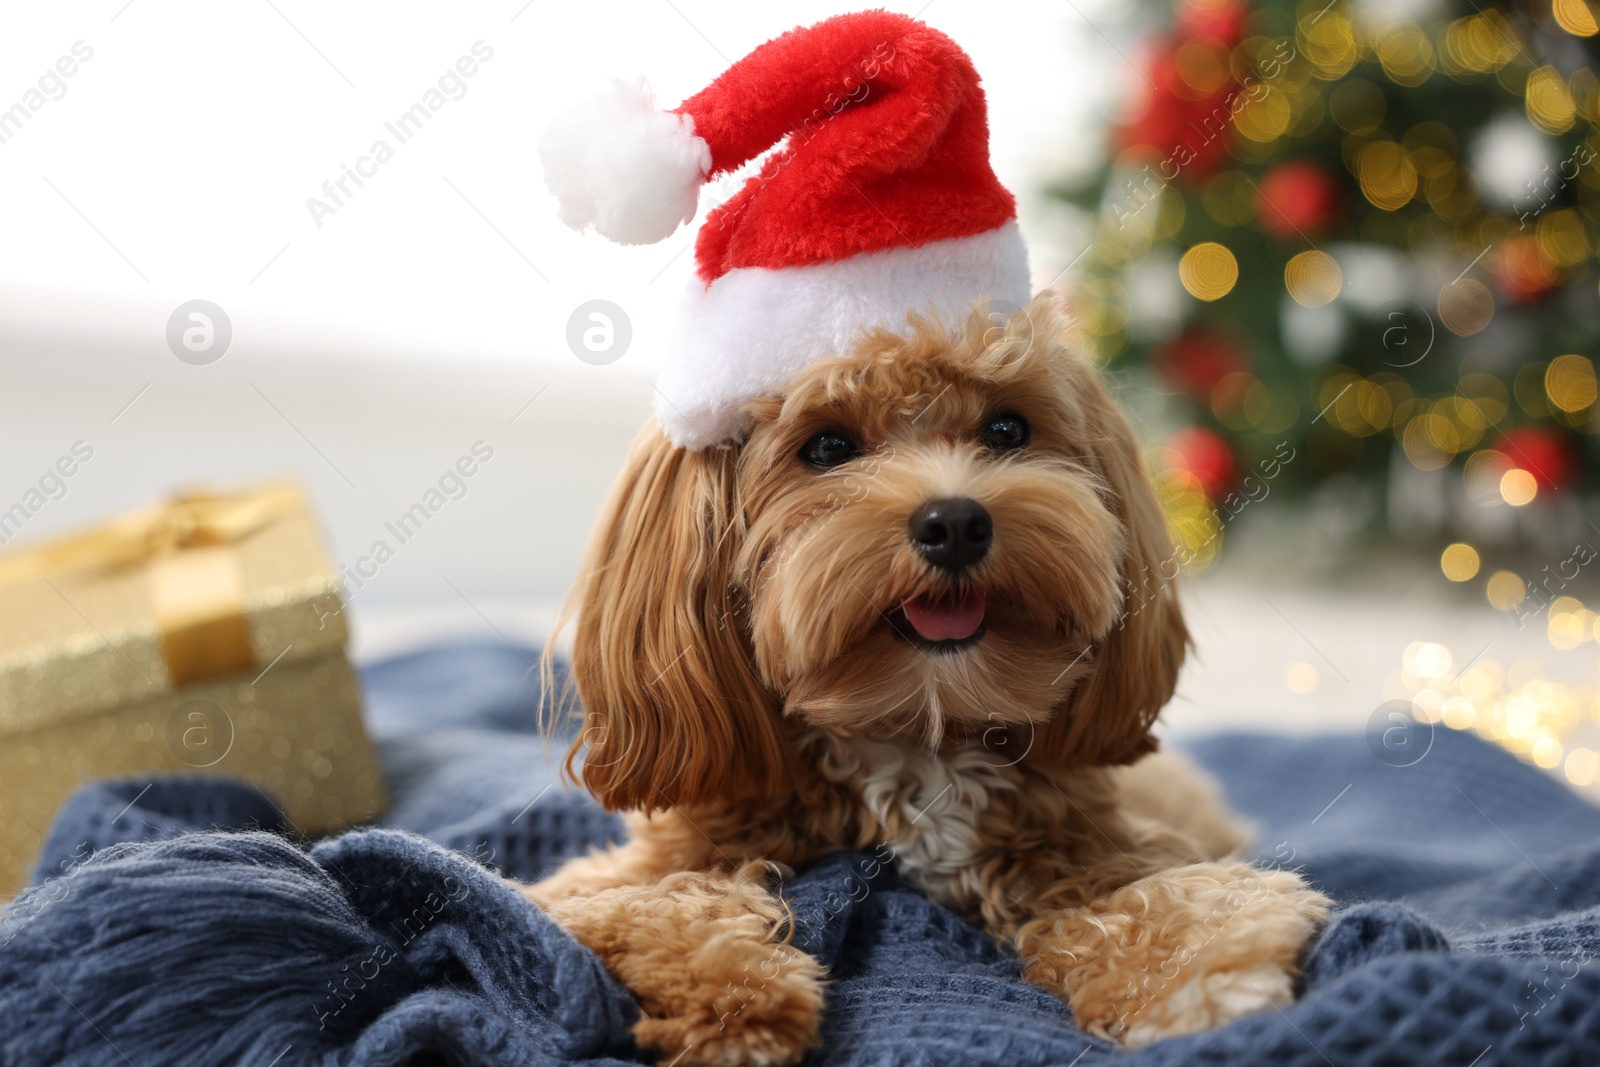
[(616, 163), (752, 331)]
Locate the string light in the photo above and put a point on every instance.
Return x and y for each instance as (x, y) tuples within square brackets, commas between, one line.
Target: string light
[(1529, 388), (1208, 270), (1569, 382), (1302, 678), (1431, 441), (1575, 17), (1264, 119), (1459, 562), (1488, 394), (1406, 54), (1483, 474), (1518, 709), (1580, 767), (1506, 591), (1561, 238), (1518, 487), (1202, 67), (1192, 522), (1548, 101), (1386, 174), (1465, 306), (1313, 278), (1329, 42)]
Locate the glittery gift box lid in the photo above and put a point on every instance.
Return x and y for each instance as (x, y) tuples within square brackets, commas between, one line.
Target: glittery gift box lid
[(202, 586), (204, 635)]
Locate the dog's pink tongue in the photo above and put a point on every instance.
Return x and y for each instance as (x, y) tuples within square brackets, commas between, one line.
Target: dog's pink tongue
[(946, 618)]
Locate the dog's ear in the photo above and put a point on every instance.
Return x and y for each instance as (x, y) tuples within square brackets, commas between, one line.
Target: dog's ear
[(1134, 667), (674, 711)]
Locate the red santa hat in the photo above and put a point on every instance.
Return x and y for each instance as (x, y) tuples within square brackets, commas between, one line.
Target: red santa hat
[(882, 202)]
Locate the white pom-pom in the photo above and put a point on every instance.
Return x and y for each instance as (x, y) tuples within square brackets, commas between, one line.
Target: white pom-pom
[(619, 165)]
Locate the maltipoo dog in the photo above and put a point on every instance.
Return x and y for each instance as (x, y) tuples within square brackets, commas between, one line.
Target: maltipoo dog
[(880, 578), (924, 606)]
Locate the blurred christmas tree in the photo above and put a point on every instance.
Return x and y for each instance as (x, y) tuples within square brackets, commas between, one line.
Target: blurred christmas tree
[(1355, 246)]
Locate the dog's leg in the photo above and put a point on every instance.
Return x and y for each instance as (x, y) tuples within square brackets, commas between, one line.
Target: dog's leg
[(1183, 950), (705, 954)]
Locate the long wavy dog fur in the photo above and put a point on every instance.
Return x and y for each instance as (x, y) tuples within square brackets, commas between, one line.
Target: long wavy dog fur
[(755, 698)]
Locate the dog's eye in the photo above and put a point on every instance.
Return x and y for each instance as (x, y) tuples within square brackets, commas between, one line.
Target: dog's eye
[(829, 450), (1003, 433)]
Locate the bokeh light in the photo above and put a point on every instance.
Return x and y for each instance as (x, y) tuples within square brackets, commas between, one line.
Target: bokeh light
[(1488, 394), (1302, 678), (1386, 174), (1581, 762), (1575, 17), (1465, 306), (1427, 659), (1459, 562), (1549, 102), (1569, 623), (1208, 270), (1329, 43), (1264, 119), (1406, 54), (1431, 441), (1561, 239), (1518, 487), (1313, 278), (1202, 67), (1192, 522), (1483, 473), (1506, 590), (1569, 382), (1546, 751), (1478, 44), (1529, 389)]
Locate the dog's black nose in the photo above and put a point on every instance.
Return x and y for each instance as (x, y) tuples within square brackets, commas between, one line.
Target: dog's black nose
[(952, 533)]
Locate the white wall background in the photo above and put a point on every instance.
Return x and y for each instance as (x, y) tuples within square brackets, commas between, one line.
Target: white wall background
[(368, 353)]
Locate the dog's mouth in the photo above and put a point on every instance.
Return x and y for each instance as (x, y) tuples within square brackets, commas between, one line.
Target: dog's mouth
[(951, 621)]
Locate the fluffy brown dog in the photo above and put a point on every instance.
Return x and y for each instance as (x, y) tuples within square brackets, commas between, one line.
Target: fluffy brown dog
[(924, 606)]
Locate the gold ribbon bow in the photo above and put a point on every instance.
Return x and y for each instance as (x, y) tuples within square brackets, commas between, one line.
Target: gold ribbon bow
[(196, 589)]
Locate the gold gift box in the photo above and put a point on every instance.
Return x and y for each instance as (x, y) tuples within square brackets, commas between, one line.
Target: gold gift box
[(204, 635)]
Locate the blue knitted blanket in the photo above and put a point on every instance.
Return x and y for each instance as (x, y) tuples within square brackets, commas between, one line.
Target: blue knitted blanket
[(183, 923)]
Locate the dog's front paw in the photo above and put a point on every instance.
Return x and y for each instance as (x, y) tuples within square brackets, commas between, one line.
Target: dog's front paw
[(704, 954), (1208, 1000), (739, 1002), (1182, 951)]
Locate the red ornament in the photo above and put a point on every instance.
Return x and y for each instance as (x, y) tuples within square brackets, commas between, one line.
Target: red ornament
[(1197, 359), (1223, 20), (1297, 200), (1181, 126), (1522, 273), (1545, 454), (1205, 456)]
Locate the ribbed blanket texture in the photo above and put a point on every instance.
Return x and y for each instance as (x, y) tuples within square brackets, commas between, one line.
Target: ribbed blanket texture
[(182, 922)]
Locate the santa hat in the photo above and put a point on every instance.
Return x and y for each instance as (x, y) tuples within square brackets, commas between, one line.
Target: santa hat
[(882, 202)]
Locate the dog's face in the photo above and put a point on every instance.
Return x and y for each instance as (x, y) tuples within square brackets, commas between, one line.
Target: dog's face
[(947, 540), (931, 546)]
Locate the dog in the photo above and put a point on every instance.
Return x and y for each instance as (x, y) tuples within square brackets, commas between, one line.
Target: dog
[(926, 604)]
